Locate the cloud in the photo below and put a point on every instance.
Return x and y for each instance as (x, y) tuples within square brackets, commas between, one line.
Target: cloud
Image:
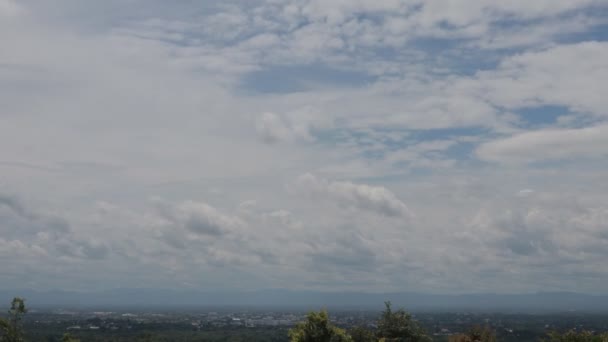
[(547, 145), (12, 203), (236, 39), (22, 221), (192, 223), (350, 252), (44, 234), (551, 76), (272, 128), (217, 108), (9, 8), (543, 225), (202, 218), (86, 248), (296, 125), (361, 196)]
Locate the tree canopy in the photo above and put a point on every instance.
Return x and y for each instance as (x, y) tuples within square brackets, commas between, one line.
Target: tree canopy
[(476, 334), (398, 326), (317, 328), (10, 327)]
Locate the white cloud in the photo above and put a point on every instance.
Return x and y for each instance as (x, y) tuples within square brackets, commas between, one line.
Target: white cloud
[(108, 103), (42, 235), (201, 218), (376, 199), (297, 124), (273, 128), (233, 39), (556, 76), (546, 145)]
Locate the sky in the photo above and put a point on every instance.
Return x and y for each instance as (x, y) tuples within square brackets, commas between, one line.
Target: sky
[(331, 145)]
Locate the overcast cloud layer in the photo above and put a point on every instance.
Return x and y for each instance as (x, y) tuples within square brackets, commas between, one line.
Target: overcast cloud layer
[(386, 145)]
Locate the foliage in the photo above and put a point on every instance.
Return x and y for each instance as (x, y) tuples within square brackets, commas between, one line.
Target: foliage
[(10, 328), (398, 326), (68, 338), (317, 328), (476, 334), (360, 334), (573, 336)]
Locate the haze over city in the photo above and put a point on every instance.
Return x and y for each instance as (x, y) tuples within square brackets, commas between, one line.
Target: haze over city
[(438, 147)]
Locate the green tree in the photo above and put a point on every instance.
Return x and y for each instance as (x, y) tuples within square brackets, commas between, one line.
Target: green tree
[(10, 327), (317, 328), (360, 334), (476, 334), (398, 326), (68, 338), (573, 336)]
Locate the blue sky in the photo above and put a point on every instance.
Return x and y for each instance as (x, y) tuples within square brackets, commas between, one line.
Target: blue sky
[(394, 145)]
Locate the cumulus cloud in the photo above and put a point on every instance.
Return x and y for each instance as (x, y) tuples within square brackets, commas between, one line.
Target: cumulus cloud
[(43, 233), (544, 145), (273, 128), (297, 124), (544, 226), (182, 225), (22, 221), (202, 218), (376, 199)]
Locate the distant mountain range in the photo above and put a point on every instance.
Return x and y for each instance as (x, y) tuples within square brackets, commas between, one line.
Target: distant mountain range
[(170, 298)]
